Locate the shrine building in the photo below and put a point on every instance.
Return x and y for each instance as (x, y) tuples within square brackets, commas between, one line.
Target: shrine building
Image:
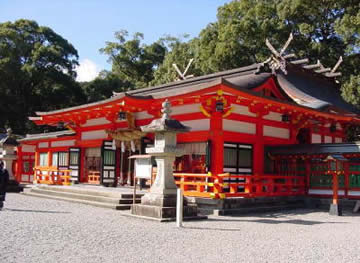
[(248, 126)]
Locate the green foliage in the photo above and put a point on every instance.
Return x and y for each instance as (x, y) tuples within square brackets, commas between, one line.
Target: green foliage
[(133, 61), (103, 86), (36, 73)]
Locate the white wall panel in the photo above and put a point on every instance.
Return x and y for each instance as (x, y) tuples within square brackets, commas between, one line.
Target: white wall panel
[(324, 192), (28, 148), (92, 135), (244, 110), (63, 143), (274, 116), (276, 132), (315, 138), (239, 126), (198, 125), (327, 139), (189, 108), (142, 115), (338, 139), (97, 121), (43, 145)]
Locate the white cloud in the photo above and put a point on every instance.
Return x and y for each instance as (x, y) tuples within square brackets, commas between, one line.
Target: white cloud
[(87, 70)]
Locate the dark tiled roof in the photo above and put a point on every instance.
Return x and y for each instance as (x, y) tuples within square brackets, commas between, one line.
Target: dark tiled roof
[(303, 86)]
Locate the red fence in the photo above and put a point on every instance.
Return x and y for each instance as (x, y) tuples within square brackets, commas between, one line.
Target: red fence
[(226, 185)]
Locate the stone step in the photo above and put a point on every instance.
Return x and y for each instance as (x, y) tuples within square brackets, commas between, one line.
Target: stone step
[(89, 197), (87, 191), (93, 203), (247, 210)]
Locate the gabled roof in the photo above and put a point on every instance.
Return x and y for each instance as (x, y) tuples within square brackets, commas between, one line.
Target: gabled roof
[(301, 86)]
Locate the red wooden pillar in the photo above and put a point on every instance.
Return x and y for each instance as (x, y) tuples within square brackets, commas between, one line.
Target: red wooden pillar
[(335, 188), (346, 179), (308, 175), (19, 169), (82, 166), (217, 143), (258, 155), (217, 150)]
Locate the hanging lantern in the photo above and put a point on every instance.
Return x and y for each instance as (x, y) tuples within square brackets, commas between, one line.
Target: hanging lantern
[(333, 128), (285, 118), (122, 115), (219, 106), (60, 125)]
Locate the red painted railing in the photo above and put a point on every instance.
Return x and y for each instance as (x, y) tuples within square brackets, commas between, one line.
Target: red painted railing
[(50, 175), (226, 185)]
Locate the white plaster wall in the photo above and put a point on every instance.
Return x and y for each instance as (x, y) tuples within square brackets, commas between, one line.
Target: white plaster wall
[(63, 143), (43, 145), (274, 116), (315, 138), (276, 132), (244, 110), (198, 125), (97, 121), (92, 135), (354, 193), (338, 139), (239, 126), (190, 108), (324, 192), (327, 139), (28, 148), (142, 115)]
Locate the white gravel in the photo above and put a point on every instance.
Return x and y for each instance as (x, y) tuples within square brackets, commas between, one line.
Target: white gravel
[(41, 230)]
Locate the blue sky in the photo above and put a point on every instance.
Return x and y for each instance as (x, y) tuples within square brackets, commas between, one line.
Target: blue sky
[(88, 24)]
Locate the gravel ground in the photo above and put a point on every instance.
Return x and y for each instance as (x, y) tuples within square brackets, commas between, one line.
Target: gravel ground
[(41, 230)]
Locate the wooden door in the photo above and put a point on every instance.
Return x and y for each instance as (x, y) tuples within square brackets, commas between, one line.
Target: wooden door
[(108, 163), (74, 164)]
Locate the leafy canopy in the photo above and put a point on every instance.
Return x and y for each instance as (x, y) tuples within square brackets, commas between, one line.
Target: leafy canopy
[(37, 71)]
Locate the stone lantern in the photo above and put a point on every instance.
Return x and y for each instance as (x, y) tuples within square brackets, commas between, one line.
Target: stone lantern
[(160, 202), (8, 156)]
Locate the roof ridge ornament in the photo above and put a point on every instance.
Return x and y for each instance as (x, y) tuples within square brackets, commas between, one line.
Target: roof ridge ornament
[(182, 75), (277, 60)]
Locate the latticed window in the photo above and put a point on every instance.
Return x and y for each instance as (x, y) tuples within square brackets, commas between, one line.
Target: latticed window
[(74, 158), (55, 157), (43, 159), (63, 159), (109, 157)]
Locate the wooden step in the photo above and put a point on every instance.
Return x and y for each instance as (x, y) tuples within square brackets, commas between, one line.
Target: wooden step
[(87, 191), (93, 203), (89, 197)]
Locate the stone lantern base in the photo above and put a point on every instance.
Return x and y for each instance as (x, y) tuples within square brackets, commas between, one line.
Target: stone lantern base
[(161, 207), (335, 210)]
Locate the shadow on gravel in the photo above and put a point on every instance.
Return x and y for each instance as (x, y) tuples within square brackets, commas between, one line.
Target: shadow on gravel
[(275, 222), (36, 211), (213, 228)]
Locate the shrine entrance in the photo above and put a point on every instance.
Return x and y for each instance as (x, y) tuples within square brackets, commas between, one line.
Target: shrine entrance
[(126, 142)]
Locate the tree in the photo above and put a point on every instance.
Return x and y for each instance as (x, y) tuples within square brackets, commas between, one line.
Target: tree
[(133, 61), (37, 73), (325, 31), (103, 86)]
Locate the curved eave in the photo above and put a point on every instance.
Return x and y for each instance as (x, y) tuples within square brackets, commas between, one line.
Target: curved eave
[(290, 105), (118, 96)]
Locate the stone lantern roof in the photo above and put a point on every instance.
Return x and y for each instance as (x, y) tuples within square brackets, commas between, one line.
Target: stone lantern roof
[(8, 139), (165, 123)]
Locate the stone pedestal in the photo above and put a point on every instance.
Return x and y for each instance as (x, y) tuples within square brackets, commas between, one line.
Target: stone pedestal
[(160, 202), (335, 210)]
